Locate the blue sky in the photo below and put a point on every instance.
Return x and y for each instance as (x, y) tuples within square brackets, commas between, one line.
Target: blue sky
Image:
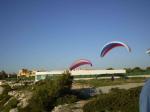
[(51, 34)]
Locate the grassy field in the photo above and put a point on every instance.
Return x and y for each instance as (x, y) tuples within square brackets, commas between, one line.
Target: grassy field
[(108, 82), (117, 100)]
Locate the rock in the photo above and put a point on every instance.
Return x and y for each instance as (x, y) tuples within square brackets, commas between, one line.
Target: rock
[(62, 108), (1, 90), (2, 82), (22, 96), (76, 107), (13, 110), (23, 103)]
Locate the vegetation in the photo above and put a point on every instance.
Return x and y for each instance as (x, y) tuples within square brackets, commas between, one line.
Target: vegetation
[(67, 99), (49, 93), (4, 75), (12, 103), (24, 78), (108, 82), (138, 71), (118, 100), (4, 97), (135, 71)]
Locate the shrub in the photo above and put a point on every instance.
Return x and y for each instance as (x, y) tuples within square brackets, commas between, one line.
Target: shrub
[(12, 103), (116, 101), (46, 93), (4, 97), (67, 99), (3, 100)]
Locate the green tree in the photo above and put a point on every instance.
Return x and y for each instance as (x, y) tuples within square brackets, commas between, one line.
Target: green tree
[(137, 69), (148, 68), (3, 74)]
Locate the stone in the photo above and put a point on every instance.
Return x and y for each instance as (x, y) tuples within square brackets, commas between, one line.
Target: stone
[(1, 90), (13, 110)]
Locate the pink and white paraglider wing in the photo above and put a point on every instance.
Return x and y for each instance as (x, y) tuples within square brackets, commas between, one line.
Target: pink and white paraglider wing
[(80, 63)]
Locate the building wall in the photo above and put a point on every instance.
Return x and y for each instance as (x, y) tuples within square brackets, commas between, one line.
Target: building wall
[(80, 74), (96, 72)]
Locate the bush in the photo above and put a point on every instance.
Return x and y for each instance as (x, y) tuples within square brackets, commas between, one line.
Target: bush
[(116, 101), (67, 99), (4, 97), (46, 93), (3, 100), (12, 103)]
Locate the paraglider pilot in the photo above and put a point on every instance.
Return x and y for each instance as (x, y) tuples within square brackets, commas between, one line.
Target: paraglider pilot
[(144, 101)]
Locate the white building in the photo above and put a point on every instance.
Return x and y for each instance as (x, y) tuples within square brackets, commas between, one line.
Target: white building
[(79, 74)]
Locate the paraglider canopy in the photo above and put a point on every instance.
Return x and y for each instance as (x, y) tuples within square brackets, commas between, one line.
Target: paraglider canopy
[(148, 51), (109, 46), (80, 63)]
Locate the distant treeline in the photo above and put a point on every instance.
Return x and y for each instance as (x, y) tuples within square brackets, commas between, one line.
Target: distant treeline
[(4, 75), (138, 71)]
